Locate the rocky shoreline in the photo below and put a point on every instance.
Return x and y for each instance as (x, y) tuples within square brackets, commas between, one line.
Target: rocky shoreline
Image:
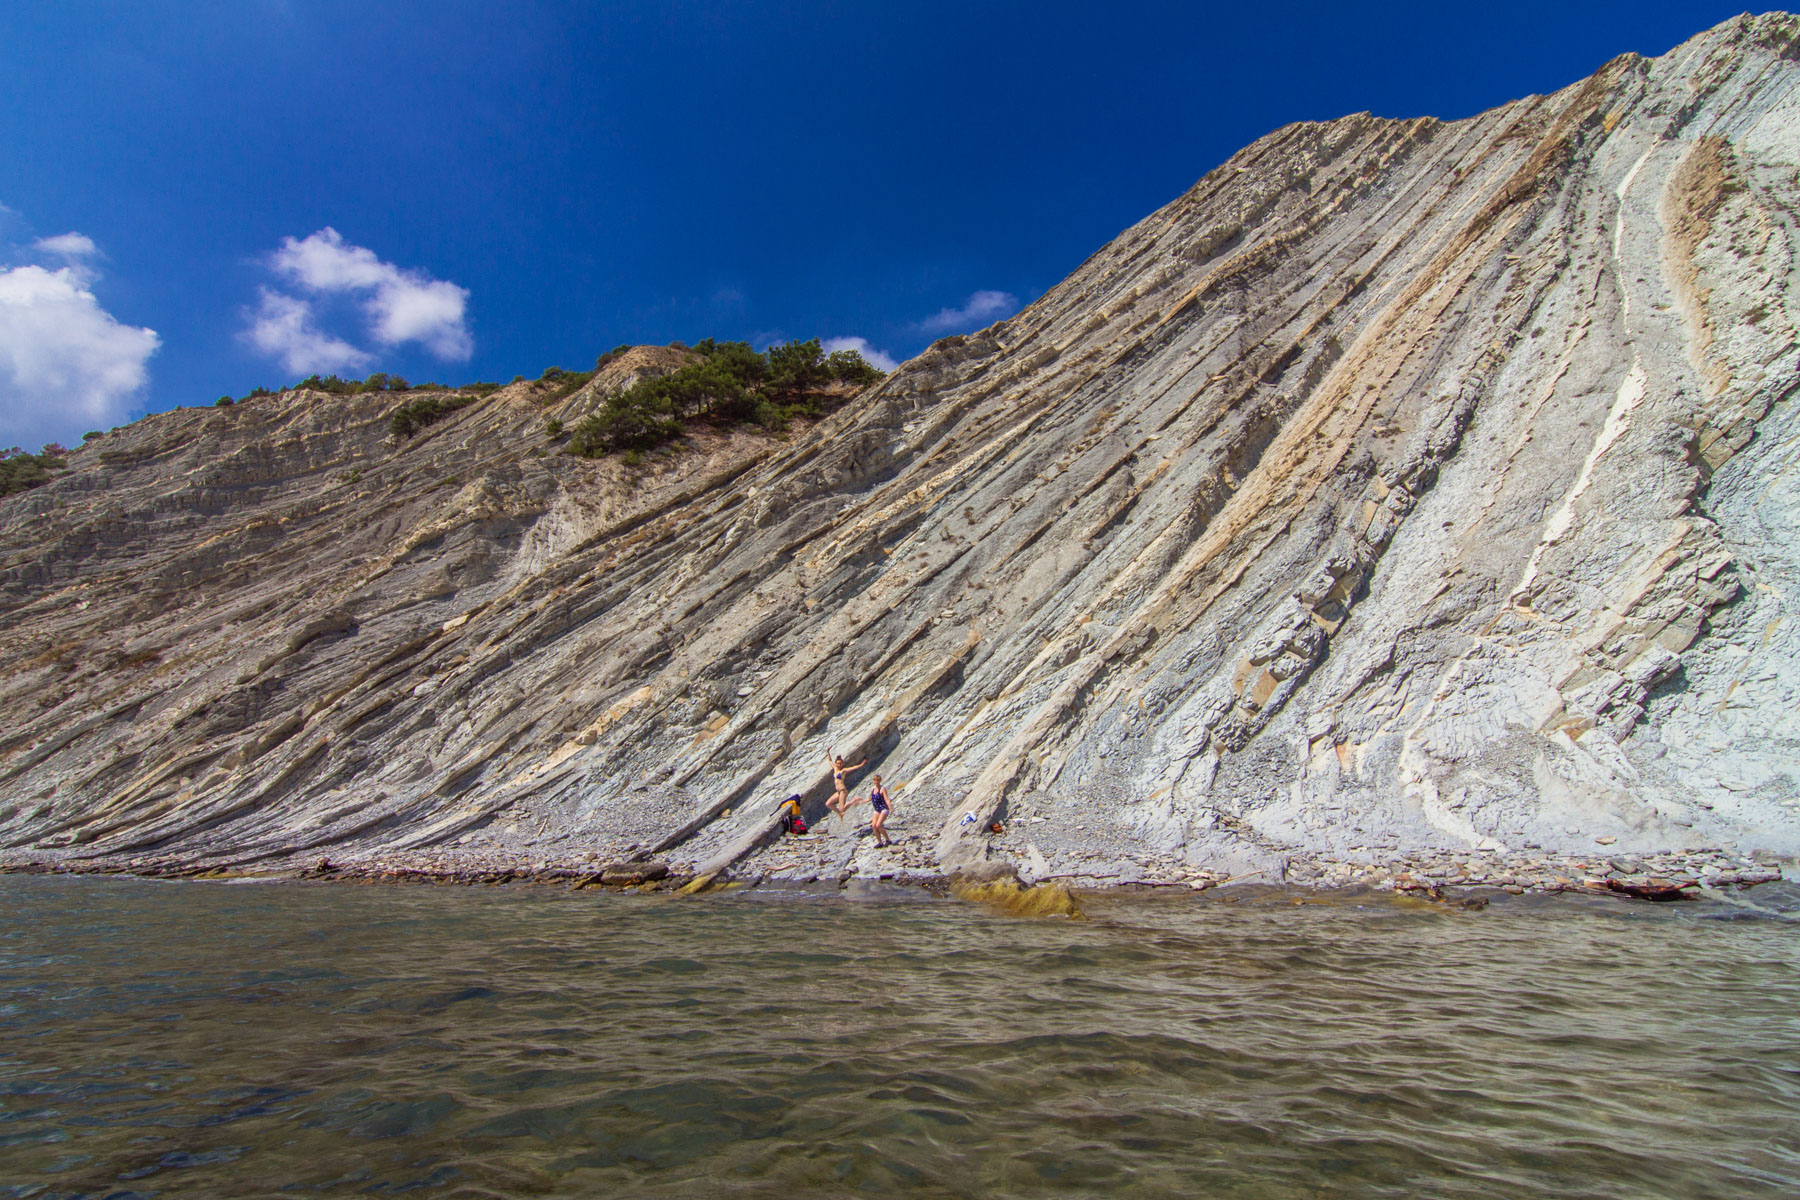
[(1433, 874)]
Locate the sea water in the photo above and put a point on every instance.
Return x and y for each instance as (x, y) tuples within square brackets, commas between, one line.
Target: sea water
[(188, 1039)]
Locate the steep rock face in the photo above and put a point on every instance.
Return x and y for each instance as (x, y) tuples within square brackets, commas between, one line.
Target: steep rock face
[(1403, 483)]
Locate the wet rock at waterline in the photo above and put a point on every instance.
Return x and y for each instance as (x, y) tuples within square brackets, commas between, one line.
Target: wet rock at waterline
[(1406, 488)]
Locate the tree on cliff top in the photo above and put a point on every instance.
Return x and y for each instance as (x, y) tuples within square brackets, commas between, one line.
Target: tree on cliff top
[(732, 384), (21, 472)]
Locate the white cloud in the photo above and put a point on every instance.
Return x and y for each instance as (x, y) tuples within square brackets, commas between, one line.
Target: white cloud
[(429, 312), (401, 305), (66, 366), (872, 356), (325, 262), (284, 328), (983, 308), (68, 245)]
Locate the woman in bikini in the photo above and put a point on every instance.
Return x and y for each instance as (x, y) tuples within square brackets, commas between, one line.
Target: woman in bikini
[(840, 778)]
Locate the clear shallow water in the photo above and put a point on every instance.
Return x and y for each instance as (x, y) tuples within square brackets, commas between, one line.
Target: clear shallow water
[(190, 1039)]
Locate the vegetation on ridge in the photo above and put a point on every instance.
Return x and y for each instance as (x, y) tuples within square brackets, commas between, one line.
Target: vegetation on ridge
[(725, 384), (421, 411), (729, 384), (21, 472), (405, 420), (379, 382)]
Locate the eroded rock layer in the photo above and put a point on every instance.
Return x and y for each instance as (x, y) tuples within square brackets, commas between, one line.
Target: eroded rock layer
[(1403, 484)]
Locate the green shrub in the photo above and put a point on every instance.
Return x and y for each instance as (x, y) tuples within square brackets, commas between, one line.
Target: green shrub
[(421, 411), (224, 402), (851, 367), (331, 384), (732, 384), (562, 384), (797, 366), (553, 427), (20, 472)]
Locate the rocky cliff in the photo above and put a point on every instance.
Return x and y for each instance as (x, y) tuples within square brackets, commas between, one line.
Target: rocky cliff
[(1403, 485)]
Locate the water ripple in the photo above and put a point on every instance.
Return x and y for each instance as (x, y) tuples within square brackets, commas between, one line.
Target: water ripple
[(297, 1040)]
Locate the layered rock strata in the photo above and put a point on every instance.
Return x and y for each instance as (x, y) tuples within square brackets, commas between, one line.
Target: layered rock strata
[(1404, 487)]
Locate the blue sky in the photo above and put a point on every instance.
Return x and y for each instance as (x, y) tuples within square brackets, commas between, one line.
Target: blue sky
[(458, 191)]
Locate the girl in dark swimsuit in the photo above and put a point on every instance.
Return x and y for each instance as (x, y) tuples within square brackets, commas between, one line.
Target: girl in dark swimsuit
[(879, 801), (840, 797)]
